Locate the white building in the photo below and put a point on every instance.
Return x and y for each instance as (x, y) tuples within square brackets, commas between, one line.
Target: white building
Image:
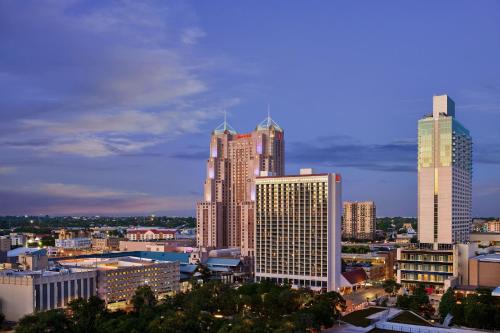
[(24, 292), (444, 176), (150, 234), (74, 243), (298, 229)]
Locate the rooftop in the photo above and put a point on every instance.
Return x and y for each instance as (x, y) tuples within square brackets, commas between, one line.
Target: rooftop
[(108, 263), (269, 123), (490, 257)]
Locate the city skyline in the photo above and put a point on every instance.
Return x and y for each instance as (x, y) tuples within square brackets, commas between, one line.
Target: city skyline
[(112, 114)]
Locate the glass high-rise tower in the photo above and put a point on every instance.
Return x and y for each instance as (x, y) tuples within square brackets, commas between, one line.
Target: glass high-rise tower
[(444, 176)]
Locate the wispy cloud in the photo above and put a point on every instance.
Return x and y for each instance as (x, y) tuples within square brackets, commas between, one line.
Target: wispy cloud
[(5, 170), (109, 79), (191, 35), (62, 199)]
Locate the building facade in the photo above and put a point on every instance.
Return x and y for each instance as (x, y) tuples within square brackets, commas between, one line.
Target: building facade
[(444, 176), (118, 278), (74, 243), (106, 244), (150, 234), (298, 230), (226, 215), (25, 292), (358, 220)]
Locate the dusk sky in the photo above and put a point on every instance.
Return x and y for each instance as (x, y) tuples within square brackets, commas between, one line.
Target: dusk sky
[(107, 107)]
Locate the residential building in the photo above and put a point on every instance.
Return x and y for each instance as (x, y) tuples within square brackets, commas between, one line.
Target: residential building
[(358, 220), (298, 230), (225, 217), (74, 243), (444, 176), (118, 278), (25, 292), (142, 234)]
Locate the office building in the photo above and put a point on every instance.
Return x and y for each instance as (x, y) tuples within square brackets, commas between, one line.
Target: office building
[(225, 217), (444, 176), (298, 230), (24, 292), (118, 278), (358, 222)]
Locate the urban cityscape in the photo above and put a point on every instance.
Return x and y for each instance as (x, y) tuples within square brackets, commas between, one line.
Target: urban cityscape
[(361, 195)]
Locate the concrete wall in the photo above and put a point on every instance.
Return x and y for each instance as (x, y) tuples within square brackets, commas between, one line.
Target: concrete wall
[(485, 274), (16, 297)]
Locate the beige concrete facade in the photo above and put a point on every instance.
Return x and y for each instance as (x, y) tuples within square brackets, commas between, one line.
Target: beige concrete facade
[(24, 292), (484, 271), (226, 215), (298, 230), (358, 220), (119, 278)]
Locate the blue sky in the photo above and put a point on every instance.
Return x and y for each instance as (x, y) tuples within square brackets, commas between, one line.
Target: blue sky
[(107, 107)]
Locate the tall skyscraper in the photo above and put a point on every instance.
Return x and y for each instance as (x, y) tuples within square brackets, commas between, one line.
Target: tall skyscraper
[(225, 218), (297, 232), (444, 176), (359, 220), (440, 259)]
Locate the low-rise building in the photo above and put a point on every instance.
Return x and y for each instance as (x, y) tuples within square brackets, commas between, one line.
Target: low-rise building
[(18, 239), (141, 234), (436, 266), (170, 245), (493, 226), (25, 292), (106, 244), (74, 243), (119, 278), (484, 270)]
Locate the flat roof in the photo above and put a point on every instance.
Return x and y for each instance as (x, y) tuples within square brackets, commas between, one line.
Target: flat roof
[(109, 263), (490, 257)]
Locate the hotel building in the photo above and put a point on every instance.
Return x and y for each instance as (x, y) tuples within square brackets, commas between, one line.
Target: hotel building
[(358, 220), (298, 229), (444, 200), (144, 234), (225, 217)]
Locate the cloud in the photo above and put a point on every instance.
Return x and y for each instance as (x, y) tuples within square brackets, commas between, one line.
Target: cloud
[(398, 156), (4, 170), (107, 78), (69, 199), (191, 35)]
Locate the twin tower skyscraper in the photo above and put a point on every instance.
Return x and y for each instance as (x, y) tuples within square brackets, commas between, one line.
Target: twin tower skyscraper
[(225, 218)]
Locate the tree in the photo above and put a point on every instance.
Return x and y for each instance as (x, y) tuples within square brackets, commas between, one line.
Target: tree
[(144, 299), (52, 321), (391, 286), (86, 314), (447, 302)]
